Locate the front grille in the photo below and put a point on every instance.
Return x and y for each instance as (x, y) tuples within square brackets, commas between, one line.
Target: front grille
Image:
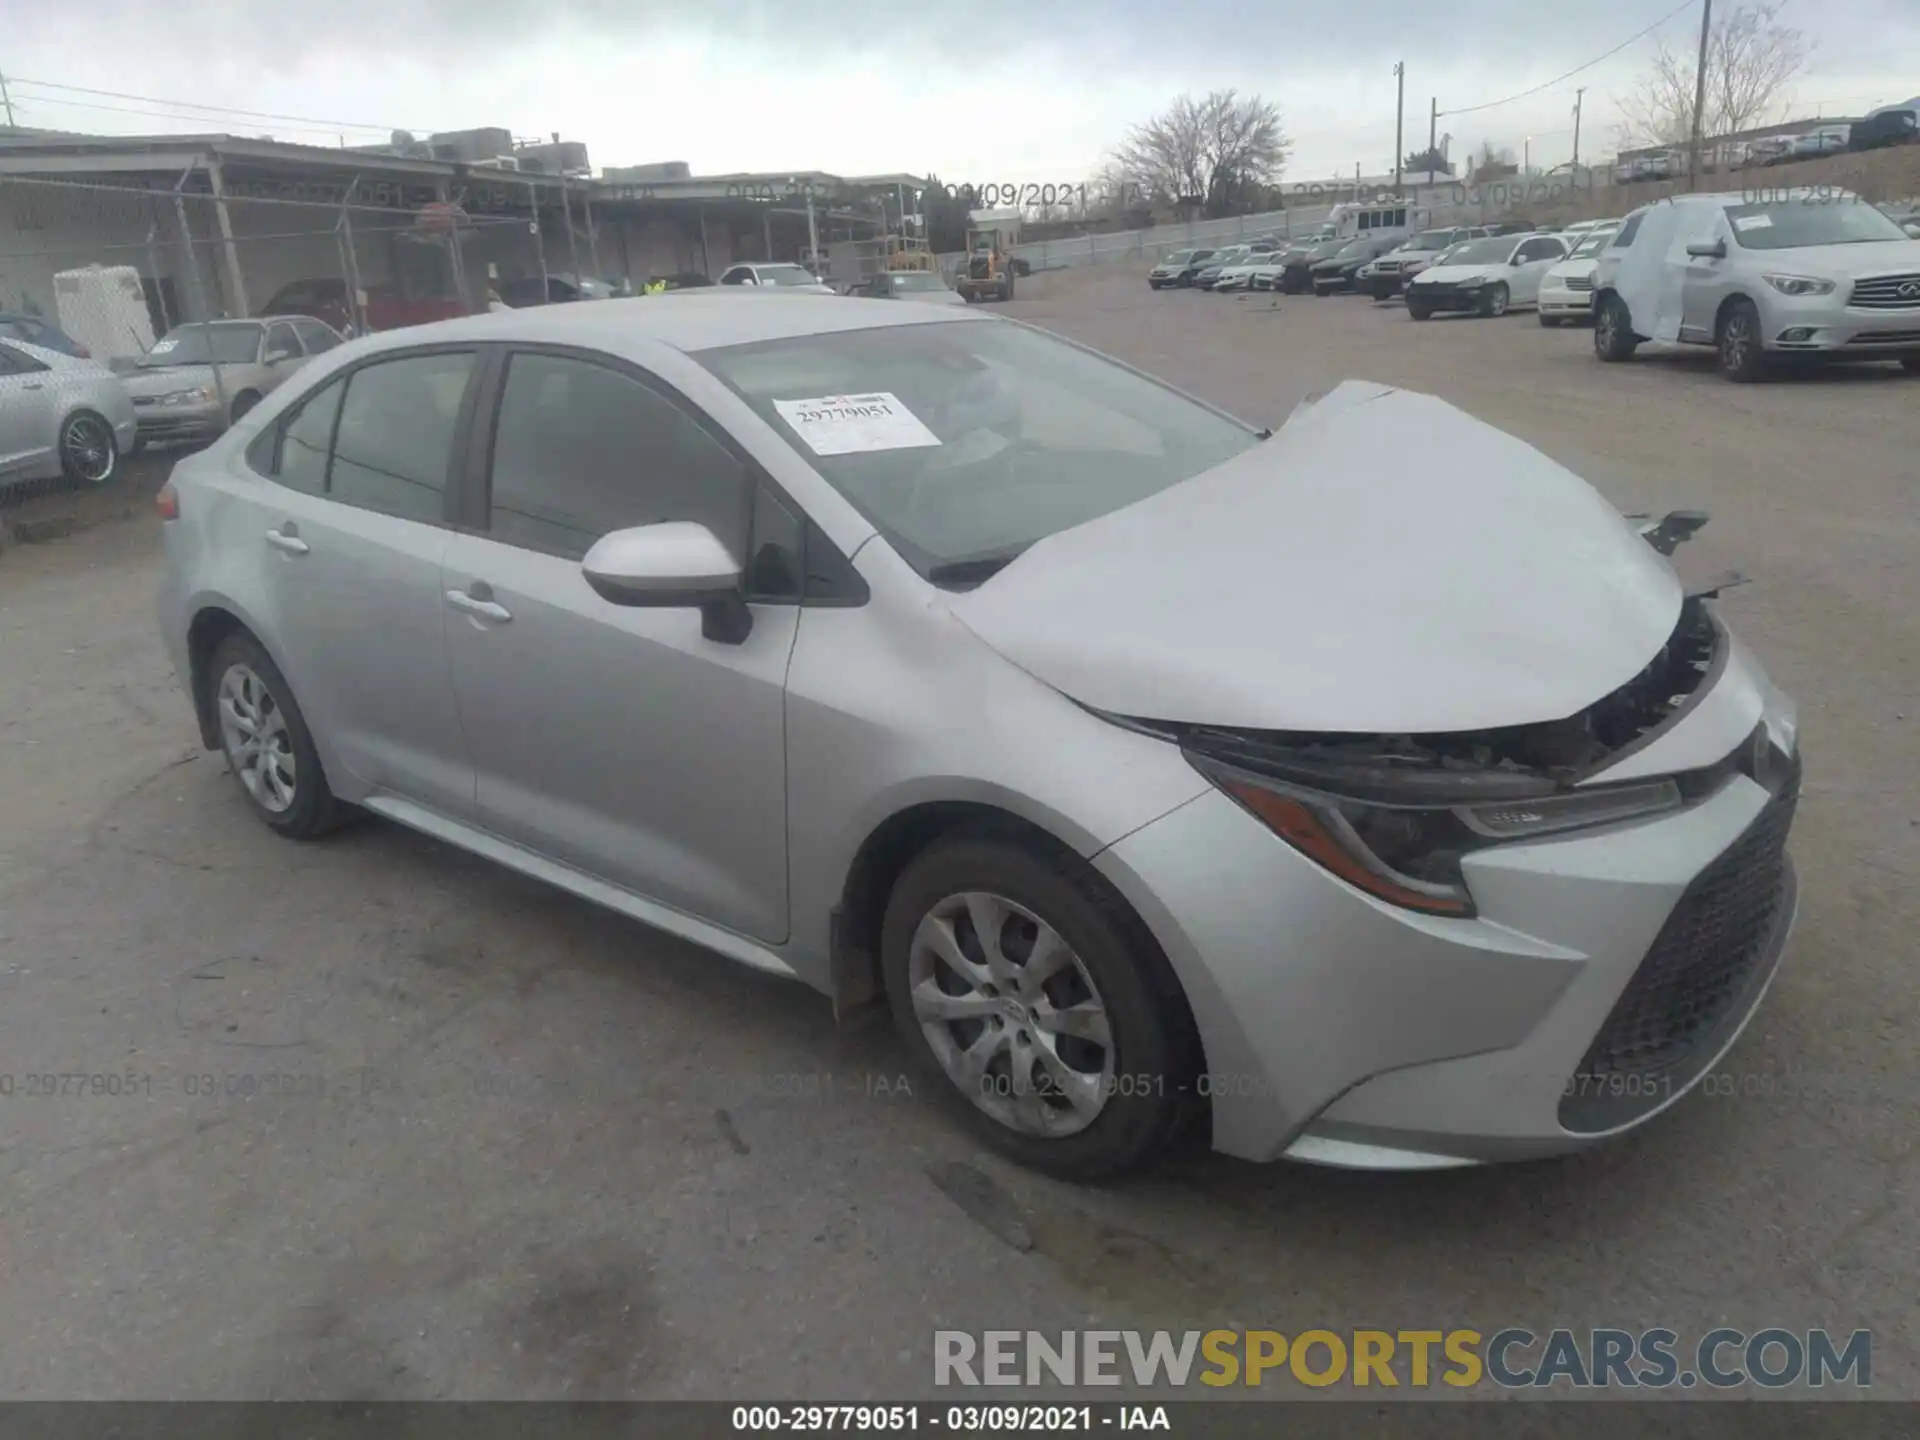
[(1698, 981), (1887, 292), (1578, 282)]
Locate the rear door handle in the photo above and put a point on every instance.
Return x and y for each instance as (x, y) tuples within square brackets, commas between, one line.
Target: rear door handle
[(288, 540), (34, 385), (474, 605)]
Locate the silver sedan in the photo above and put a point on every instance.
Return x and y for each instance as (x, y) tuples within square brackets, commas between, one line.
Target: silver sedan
[(1365, 792), (60, 415)]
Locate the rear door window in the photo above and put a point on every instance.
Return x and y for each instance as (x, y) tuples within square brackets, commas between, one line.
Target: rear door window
[(394, 444)]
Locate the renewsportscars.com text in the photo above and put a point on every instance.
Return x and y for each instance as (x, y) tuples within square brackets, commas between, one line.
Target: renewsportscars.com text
[(1511, 1358)]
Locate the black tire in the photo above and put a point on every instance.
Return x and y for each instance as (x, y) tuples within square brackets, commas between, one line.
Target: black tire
[(1911, 364), (242, 403), (88, 452), (1613, 337), (1153, 284), (1743, 360), (1549, 322), (1419, 310), (1494, 300), (139, 444), (313, 810), (1154, 1043)]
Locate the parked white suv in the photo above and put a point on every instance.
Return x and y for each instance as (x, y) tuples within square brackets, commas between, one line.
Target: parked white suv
[(1760, 276)]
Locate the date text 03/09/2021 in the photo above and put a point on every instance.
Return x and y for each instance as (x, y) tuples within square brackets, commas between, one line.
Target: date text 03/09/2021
[(911, 1417), (1027, 195)]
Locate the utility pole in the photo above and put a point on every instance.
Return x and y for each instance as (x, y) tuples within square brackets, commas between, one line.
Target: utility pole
[(1399, 119), (1578, 100), (6, 99), (1433, 125), (1699, 97)]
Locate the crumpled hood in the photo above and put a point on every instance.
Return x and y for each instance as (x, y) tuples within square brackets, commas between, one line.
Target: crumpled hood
[(1384, 563)]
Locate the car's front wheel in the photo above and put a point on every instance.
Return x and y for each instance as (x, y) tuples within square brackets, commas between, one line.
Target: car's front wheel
[(1613, 337), (1419, 309), (266, 740), (1030, 992), (88, 451), (1494, 301), (1742, 357), (1911, 364), (1549, 322)]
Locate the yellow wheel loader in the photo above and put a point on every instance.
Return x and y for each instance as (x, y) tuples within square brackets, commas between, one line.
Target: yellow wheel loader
[(987, 272)]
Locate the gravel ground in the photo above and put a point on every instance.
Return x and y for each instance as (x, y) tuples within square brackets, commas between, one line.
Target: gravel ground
[(390, 1122)]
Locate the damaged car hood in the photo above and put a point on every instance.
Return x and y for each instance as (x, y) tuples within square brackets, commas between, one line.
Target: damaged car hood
[(1384, 562)]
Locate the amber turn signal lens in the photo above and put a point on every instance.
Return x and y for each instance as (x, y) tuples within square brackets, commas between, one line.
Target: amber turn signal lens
[(167, 502)]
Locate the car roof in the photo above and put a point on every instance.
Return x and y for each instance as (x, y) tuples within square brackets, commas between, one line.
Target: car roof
[(688, 321)]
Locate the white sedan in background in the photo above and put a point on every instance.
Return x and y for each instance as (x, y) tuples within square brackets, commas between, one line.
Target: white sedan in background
[(1566, 291), (1239, 275), (1487, 277)]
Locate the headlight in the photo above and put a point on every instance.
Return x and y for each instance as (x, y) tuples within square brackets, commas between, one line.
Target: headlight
[(1800, 285), (1409, 854), (203, 395), (1471, 281)]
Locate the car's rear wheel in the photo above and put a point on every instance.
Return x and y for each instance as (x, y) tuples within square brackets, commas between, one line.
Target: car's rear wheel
[(1027, 989), (1494, 301), (1911, 364), (266, 740), (1613, 337), (1742, 357), (88, 451)]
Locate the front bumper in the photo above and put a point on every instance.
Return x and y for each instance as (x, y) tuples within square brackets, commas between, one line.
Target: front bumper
[(1447, 297), (1833, 327), (1606, 972), (1559, 300), (160, 424)]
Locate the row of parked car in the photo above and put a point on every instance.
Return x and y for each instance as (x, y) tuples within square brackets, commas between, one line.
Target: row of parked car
[(1759, 278), (64, 412)]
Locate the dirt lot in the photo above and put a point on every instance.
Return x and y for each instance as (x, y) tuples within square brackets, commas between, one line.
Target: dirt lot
[(385, 1121)]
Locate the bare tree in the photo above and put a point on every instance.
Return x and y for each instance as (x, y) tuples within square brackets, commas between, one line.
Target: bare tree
[(1751, 58), (1490, 162), (1218, 154)]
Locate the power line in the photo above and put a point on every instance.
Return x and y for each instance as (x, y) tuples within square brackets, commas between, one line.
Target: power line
[(164, 114), (216, 109), (1494, 104)]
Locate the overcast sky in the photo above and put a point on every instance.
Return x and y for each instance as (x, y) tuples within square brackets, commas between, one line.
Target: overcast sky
[(981, 90)]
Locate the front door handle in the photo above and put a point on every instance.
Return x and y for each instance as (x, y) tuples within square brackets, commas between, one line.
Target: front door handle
[(476, 605), (288, 539)]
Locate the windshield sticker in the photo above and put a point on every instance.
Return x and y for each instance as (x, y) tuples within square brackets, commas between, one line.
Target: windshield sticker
[(1753, 222), (161, 347), (853, 424)]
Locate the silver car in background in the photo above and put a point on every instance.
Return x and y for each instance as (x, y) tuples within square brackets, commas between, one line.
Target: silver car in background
[(179, 396), (1761, 276), (60, 415), (946, 665)]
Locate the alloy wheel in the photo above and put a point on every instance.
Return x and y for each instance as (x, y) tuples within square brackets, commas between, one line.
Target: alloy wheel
[(253, 731), (88, 447), (1011, 1014)]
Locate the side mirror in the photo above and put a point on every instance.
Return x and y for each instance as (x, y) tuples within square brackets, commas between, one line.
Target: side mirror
[(676, 564), (1716, 251)]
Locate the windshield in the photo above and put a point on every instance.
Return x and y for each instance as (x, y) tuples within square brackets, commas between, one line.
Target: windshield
[(917, 280), (204, 345), (1783, 225), (989, 436), (1178, 257), (1493, 250), (1429, 240), (1354, 249), (785, 275), (1228, 256), (1592, 243)]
